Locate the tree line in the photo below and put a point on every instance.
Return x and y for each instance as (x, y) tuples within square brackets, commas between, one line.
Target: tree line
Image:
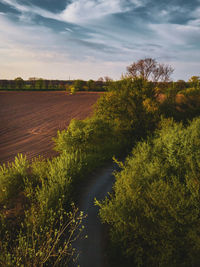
[(146, 69), (59, 85)]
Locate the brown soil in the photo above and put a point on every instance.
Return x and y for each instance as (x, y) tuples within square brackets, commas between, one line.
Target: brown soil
[(29, 120)]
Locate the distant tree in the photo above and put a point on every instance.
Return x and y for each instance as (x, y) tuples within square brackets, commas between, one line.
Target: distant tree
[(96, 85), (50, 85), (149, 69), (61, 86), (27, 86), (181, 84), (19, 83), (67, 87), (4, 84), (39, 84), (44, 84), (100, 79), (194, 81), (108, 79), (79, 85), (91, 85)]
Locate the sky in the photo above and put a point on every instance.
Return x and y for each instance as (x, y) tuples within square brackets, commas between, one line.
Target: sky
[(88, 39)]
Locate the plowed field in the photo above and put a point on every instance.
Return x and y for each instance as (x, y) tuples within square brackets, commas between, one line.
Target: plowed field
[(29, 120)]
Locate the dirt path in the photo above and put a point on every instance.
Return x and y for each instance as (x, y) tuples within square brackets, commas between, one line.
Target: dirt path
[(92, 249)]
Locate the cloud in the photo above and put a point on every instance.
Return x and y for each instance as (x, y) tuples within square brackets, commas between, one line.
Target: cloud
[(77, 11), (175, 34), (81, 11), (15, 4), (26, 10), (37, 51), (97, 33), (28, 52), (68, 29)]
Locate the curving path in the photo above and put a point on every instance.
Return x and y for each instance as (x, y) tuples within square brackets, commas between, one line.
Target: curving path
[(92, 249)]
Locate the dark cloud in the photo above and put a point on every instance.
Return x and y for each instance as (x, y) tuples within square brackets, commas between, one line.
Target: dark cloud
[(171, 11), (51, 5), (8, 9)]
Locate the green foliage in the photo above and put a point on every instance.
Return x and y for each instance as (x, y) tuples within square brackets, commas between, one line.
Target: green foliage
[(91, 85), (47, 244), (71, 89), (145, 207), (50, 85), (154, 211), (182, 105), (181, 84), (131, 105), (12, 178), (86, 136), (192, 91), (79, 85), (40, 84), (56, 180), (19, 83), (194, 81), (42, 233)]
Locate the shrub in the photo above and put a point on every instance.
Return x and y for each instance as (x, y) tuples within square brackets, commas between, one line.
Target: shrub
[(43, 232), (48, 244), (12, 178), (154, 211), (88, 136)]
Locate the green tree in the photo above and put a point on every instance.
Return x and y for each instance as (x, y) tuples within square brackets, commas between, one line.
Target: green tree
[(79, 85), (194, 81), (39, 84), (50, 85), (181, 84), (19, 83), (131, 105), (91, 85)]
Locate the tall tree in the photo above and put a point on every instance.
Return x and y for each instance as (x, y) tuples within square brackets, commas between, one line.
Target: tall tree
[(19, 83), (149, 69)]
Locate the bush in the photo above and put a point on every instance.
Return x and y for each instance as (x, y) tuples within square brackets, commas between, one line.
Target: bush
[(12, 178), (47, 244), (154, 211), (192, 91), (88, 136), (35, 229)]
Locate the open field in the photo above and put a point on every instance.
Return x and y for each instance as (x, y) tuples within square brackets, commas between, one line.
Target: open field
[(29, 120)]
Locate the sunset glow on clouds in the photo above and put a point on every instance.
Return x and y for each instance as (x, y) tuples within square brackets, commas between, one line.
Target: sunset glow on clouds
[(92, 38)]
